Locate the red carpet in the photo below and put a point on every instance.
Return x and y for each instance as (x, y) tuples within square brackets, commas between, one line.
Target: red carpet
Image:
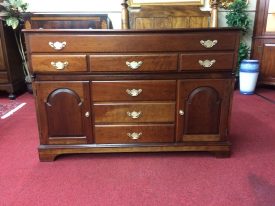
[(168, 179), (9, 108), (267, 93)]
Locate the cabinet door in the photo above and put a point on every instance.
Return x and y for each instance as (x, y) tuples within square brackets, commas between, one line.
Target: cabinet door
[(63, 112), (267, 70), (203, 109)]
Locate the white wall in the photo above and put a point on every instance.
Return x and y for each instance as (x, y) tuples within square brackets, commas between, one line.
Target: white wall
[(112, 7)]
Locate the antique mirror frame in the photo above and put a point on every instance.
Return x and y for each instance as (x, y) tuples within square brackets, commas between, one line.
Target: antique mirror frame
[(138, 3), (225, 3)]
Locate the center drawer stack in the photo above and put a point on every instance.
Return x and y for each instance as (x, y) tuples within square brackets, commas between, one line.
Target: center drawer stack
[(134, 111)]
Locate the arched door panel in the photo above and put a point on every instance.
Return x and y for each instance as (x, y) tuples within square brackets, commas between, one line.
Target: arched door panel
[(203, 107), (64, 112)]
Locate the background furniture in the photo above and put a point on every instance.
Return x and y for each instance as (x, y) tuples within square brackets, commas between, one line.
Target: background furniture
[(67, 21), (157, 17), (132, 90), (11, 72), (264, 41), (167, 16)]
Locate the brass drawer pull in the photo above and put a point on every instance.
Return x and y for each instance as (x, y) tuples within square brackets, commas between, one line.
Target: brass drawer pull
[(207, 63), (134, 114), (134, 65), (133, 92), (208, 43), (59, 65), (57, 45), (134, 135)]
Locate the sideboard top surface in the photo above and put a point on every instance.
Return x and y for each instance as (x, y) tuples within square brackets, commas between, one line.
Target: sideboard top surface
[(114, 31)]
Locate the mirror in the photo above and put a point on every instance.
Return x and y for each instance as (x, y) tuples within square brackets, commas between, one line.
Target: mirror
[(138, 3)]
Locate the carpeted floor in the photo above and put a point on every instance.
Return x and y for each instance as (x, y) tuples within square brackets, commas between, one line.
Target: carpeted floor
[(9, 108), (168, 179), (267, 93)]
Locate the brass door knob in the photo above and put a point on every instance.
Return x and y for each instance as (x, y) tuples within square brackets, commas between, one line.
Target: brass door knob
[(87, 114), (181, 112)]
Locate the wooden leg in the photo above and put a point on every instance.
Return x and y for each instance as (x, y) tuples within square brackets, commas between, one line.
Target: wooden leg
[(222, 154), (46, 157), (12, 96)]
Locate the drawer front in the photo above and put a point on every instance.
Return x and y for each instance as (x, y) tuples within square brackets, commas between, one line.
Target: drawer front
[(132, 42), (114, 134), (4, 77), (134, 112), (148, 90), (207, 61), (134, 63), (59, 63)]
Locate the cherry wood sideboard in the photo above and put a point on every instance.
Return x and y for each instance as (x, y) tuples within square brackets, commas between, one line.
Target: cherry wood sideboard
[(104, 91)]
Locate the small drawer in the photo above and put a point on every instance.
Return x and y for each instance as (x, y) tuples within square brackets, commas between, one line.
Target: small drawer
[(134, 63), (59, 63), (206, 61), (148, 90), (114, 134), (134, 112), (131, 41)]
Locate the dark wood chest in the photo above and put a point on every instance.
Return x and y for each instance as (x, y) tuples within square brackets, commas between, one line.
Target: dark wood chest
[(133, 90), (12, 77)]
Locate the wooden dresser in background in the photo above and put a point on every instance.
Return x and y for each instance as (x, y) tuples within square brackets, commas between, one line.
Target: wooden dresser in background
[(168, 17), (67, 21), (11, 72), (103, 91), (263, 45)]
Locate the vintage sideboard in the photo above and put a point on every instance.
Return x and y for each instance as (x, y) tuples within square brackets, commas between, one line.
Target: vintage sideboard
[(105, 91)]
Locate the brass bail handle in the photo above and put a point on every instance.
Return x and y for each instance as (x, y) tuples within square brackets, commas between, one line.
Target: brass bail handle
[(134, 64), (133, 92), (208, 43), (207, 63), (134, 135), (60, 65), (57, 45), (134, 114)]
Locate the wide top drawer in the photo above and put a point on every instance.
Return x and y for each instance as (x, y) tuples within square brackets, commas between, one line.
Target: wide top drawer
[(131, 42)]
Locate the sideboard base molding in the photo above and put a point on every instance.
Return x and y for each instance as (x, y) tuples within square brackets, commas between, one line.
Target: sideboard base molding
[(48, 153)]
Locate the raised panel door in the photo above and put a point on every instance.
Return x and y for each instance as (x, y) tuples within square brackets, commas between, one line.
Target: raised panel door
[(64, 112), (264, 41), (267, 70), (203, 107), (264, 51)]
